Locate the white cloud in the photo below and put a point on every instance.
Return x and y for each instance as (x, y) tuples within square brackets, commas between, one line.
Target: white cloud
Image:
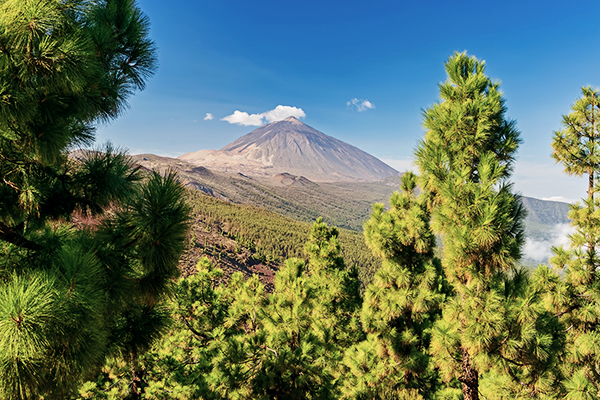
[(243, 118), (208, 117), (283, 112), (360, 104), (541, 250), (277, 114)]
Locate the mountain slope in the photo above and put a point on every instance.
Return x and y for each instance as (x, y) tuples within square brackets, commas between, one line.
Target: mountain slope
[(292, 147), (546, 212), (237, 237), (343, 204)]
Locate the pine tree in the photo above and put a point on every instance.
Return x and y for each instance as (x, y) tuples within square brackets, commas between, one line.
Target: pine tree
[(338, 301), (338, 292), (274, 352), (71, 297), (465, 162), (288, 344), (526, 362), (178, 366), (401, 303), (577, 302)]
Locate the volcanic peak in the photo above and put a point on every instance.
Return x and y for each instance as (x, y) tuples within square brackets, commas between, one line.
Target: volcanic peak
[(293, 147)]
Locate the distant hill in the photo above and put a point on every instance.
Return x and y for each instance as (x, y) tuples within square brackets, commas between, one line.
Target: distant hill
[(546, 212), (547, 225), (290, 146)]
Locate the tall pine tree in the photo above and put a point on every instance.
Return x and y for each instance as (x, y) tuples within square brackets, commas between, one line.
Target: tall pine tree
[(465, 161), (577, 147)]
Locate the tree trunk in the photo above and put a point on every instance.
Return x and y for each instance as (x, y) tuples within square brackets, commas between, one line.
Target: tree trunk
[(469, 378), (136, 380), (591, 184)]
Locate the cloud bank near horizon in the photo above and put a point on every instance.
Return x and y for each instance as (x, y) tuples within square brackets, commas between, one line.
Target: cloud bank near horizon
[(541, 250), (561, 199), (277, 114)]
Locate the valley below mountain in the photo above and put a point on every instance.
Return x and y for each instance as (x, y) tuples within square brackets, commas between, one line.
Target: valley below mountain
[(343, 204)]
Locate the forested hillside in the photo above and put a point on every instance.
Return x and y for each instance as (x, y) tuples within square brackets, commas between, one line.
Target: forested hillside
[(269, 237)]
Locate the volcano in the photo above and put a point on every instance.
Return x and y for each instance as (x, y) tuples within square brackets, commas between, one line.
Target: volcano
[(290, 146)]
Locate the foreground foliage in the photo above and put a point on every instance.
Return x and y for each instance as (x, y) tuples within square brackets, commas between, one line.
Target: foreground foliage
[(576, 298), (70, 298), (237, 341)]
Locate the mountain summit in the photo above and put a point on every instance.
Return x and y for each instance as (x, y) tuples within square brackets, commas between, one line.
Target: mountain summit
[(290, 146)]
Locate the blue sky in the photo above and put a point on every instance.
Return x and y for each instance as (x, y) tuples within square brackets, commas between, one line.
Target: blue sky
[(219, 57)]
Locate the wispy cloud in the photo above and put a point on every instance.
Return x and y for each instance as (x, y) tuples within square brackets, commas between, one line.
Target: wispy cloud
[(208, 117), (277, 114), (360, 105), (546, 180)]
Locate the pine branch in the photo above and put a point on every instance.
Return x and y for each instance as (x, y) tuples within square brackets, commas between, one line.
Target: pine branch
[(518, 364), (515, 378), (568, 310), (195, 332), (10, 236)]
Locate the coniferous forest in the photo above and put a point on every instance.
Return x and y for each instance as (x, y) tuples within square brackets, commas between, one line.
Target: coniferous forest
[(439, 309)]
